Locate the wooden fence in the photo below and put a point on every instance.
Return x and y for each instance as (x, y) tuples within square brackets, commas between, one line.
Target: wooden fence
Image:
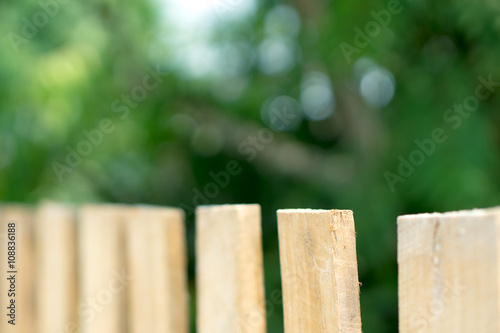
[(118, 268)]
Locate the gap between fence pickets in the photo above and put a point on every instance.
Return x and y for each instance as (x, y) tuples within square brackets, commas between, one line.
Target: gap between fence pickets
[(229, 269), (448, 272), (319, 271)]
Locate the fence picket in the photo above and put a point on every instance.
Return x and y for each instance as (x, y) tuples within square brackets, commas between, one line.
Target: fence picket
[(230, 287), (319, 271), (156, 259), (55, 266), (448, 272), (22, 216), (102, 270)]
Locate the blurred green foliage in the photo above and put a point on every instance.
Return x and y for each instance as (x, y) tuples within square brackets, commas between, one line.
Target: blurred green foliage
[(68, 71)]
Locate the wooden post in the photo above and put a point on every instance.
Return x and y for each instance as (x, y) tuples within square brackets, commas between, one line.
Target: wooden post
[(449, 272), (22, 217), (230, 288), (319, 271), (102, 270), (156, 258), (55, 265)]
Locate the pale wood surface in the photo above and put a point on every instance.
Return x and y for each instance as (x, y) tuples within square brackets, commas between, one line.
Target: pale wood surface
[(102, 272), (55, 267), (156, 258), (229, 271), (319, 271), (449, 272), (23, 217)]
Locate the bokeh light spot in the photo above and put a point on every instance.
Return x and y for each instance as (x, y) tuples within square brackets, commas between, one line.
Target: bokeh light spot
[(316, 96), (281, 113), (377, 87), (277, 55)]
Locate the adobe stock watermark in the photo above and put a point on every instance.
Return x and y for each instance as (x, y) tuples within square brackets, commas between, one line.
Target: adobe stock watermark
[(95, 136), (372, 29), (31, 26), (425, 315), (89, 308), (249, 148), (454, 118)]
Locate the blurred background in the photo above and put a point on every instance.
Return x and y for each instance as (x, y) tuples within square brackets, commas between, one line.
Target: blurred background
[(311, 104)]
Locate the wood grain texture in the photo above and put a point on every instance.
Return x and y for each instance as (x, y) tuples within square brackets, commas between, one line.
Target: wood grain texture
[(25, 317), (319, 271), (449, 272), (156, 258), (229, 271), (56, 281), (103, 278)]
